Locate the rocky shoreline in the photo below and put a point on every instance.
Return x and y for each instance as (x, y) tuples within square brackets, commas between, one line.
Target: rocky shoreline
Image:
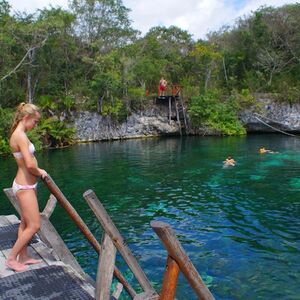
[(91, 126)]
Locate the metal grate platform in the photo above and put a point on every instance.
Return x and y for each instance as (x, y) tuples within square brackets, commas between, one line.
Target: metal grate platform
[(8, 236), (51, 282)]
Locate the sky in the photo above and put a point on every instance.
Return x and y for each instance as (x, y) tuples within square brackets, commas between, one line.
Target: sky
[(198, 17)]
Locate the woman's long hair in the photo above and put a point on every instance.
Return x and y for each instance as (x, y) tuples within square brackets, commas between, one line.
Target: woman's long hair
[(23, 109)]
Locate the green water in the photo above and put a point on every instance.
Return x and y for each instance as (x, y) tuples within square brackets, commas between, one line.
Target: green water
[(240, 226)]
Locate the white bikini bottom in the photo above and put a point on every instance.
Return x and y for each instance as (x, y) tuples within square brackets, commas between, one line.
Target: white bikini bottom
[(17, 187)]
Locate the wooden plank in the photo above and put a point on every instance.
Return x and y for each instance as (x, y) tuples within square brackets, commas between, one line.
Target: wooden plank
[(4, 221), (4, 271), (175, 250), (51, 238), (50, 206), (177, 116), (89, 288), (106, 267), (13, 199), (44, 252), (117, 292), (12, 219), (117, 239), (146, 296), (168, 290)]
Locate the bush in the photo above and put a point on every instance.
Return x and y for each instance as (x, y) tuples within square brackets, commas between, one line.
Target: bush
[(53, 133), (115, 109), (288, 93), (138, 98), (209, 110), (6, 119)]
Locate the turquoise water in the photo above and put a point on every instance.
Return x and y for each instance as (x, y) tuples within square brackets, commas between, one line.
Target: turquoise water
[(240, 226)]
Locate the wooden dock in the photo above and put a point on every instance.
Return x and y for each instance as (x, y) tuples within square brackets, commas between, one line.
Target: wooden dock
[(60, 276), (51, 279)]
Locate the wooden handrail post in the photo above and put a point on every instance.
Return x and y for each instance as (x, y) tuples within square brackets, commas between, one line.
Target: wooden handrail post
[(175, 250), (56, 192), (168, 290), (62, 200), (50, 206), (105, 270), (116, 237)]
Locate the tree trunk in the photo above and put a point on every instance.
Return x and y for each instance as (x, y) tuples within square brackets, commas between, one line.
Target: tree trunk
[(207, 78), (30, 86)]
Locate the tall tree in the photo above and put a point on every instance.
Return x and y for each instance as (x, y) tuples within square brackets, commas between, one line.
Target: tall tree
[(103, 24)]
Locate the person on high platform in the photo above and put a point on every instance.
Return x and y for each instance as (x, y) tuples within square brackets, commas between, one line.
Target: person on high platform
[(162, 86)]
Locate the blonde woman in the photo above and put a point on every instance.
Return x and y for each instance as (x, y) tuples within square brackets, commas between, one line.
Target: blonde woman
[(24, 186)]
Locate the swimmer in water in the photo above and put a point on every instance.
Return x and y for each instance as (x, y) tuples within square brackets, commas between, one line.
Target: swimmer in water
[(229, 162), (262, 150)]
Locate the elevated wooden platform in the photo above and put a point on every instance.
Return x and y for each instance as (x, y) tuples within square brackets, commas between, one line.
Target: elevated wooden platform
[(51, 279)]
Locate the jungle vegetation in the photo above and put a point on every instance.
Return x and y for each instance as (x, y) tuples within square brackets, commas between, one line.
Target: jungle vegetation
[(90, 57)]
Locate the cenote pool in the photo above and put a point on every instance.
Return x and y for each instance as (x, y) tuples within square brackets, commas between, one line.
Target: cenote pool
[(240, 226)]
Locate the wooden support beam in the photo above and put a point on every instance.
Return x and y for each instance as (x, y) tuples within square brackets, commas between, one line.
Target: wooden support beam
[(13, 199), (50, 206), (110, 228), (175, 250), (168, 290), (177, 116), (106, 267), (170, 109), (183, 111), (117, 292)]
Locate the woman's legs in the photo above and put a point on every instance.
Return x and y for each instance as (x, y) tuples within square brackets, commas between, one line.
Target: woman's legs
[(31, 223), (23, 257)]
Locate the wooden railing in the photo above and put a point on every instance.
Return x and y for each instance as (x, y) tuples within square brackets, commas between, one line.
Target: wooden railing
[(112, 241), (178, 261)]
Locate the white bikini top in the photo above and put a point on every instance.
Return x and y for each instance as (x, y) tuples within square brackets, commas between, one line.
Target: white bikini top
[(20, 155)]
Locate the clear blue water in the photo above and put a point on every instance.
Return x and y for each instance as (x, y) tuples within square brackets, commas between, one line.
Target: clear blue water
[(240, 226)]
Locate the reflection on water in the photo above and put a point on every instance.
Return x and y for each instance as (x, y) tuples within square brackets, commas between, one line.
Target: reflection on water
[(239, 225)]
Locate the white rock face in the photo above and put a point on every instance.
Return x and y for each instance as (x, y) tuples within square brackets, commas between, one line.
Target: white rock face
[(281, 116), (93, 127)]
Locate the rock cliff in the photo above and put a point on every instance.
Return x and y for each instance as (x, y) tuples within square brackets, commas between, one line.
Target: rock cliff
[(91, 126)]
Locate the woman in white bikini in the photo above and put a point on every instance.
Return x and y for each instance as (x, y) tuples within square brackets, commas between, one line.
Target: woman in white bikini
[(24, 185)]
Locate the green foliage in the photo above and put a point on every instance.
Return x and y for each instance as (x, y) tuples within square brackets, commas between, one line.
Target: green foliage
[(54, 133), (116, 110), (6, 118), (288, 93), (210, 111), (138, 98), (4, 146), (241, 100)]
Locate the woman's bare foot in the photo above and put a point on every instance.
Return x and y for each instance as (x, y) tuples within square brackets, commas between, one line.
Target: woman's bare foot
[(15, 265), (30, 261)]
